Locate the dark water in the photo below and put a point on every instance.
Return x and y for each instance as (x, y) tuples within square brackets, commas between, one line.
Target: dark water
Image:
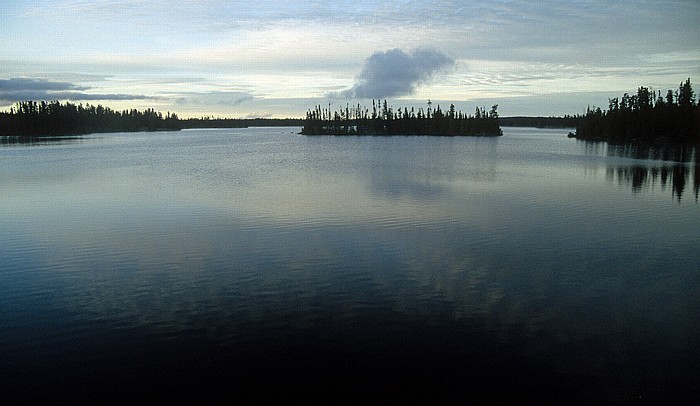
[(257, 262)]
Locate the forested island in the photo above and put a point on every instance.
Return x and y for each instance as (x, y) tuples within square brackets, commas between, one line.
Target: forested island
[(647, 116), (384, 120), (50, 119), (53, 118)]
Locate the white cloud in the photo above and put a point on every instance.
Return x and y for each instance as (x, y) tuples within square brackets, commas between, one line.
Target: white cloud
[(395, 73)]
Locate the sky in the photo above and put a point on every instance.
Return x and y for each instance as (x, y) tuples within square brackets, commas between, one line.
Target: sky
[(279, 59)]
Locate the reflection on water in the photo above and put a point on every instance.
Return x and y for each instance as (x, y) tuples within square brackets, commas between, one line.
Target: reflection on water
[(670, 167), (638, 177), (233, 262), (6, 140), (665, 152)]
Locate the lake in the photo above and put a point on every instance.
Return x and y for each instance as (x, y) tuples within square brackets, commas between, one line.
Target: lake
[(259, 262)]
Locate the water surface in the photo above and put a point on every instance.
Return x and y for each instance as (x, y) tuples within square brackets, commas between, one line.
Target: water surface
[(258, 261)]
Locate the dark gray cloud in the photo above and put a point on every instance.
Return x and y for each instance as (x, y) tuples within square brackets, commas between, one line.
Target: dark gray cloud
[(27, 84), (20, 89), (396, 73)]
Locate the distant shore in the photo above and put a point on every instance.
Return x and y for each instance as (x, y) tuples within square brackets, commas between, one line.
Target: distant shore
[(645, 117)]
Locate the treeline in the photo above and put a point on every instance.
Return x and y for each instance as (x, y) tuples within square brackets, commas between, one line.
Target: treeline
[(31, 118), (541, 122), (208, 122), (384, 120), (647, 116)]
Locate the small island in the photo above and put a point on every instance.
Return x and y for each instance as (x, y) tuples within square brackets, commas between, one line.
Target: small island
[(647, 117), (384, 120), (42, 119), (32, 119)]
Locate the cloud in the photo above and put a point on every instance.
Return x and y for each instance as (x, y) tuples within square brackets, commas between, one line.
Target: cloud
[(20, 89), (396, 73), (98, 96), (220, 98), (258, 115), (26, 84)]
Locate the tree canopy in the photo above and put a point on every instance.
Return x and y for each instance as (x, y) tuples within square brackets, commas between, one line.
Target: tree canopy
[(31, 118), (385, 120), (647, 116)]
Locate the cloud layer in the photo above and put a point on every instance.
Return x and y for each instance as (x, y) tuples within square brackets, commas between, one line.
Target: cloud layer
[(395, 73), (20, 89)]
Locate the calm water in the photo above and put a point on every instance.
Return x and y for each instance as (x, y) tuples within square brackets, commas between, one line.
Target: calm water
[(261, 262)]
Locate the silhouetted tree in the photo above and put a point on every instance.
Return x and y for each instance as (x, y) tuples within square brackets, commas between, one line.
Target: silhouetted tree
[(31, 118), (641, 117), (386, 121)]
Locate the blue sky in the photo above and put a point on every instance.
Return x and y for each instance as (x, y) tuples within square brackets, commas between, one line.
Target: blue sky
[(280, 58)]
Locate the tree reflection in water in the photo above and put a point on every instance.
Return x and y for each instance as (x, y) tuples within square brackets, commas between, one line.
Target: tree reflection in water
[(672, 166)]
